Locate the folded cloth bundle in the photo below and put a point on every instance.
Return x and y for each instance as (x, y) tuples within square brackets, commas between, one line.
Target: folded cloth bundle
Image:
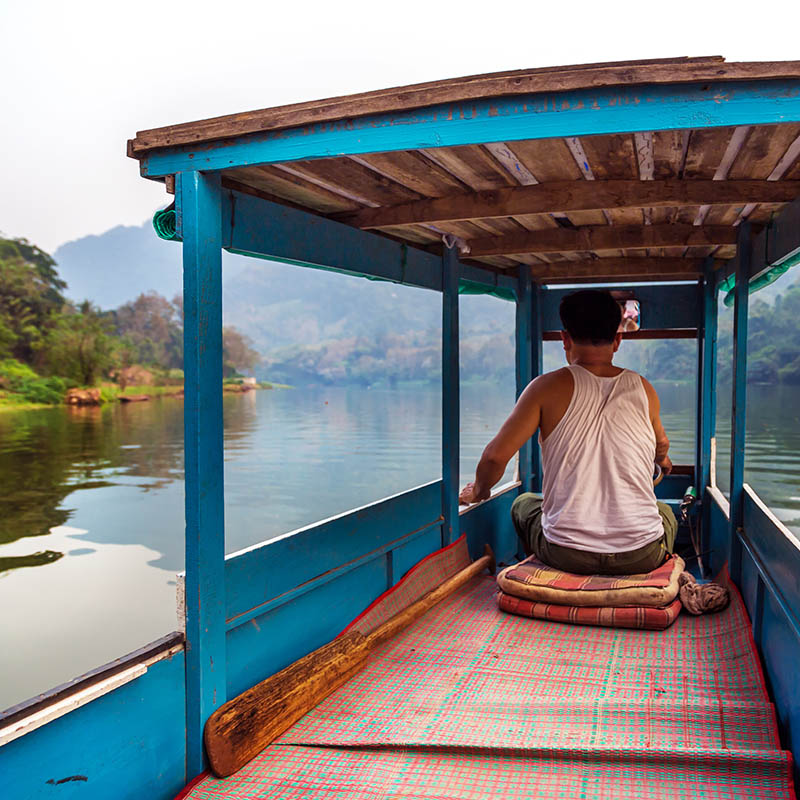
[(647, 601)]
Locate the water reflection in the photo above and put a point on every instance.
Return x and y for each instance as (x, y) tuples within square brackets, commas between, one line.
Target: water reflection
[(91, 514)]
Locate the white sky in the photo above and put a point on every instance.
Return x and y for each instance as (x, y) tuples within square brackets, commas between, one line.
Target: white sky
[(77, 79)]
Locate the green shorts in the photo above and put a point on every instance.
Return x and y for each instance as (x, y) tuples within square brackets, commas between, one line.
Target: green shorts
[(526, 514)]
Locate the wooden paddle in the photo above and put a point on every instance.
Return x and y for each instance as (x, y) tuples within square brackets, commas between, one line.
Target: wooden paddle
[(239, 730)]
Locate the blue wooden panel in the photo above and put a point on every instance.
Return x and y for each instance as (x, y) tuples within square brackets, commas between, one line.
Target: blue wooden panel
[(259, 574), (201, 226), (262, 229), (777, 550), (618, 109), (770, 563), (127, 744), (451, 384), (780, 652), (739, 393), (490, 522), (496, 280), (411, 553), (676, 306), (718, 533), (777, 240), (673, 487), (524, 366), (272, 641), (751, 588), (257, 227)]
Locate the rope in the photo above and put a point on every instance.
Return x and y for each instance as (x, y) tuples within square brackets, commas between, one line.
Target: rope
[(702, 598)]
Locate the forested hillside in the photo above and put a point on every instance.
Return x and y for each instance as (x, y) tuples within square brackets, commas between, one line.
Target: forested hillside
[(49, 344), (307, 326)]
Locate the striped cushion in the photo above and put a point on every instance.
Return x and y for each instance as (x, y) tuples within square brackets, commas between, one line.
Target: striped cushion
[(536, 581), (642, 617)]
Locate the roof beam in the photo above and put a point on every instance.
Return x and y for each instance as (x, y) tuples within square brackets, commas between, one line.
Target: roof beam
[(602, 237), (619, 269), (586, 112), (566, 196)]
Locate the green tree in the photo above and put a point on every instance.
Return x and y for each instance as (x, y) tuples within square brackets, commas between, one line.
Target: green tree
[(81, 346), (237, 352), (30, 299)]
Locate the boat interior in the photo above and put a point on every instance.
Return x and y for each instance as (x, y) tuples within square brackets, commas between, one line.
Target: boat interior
[(675, 182)]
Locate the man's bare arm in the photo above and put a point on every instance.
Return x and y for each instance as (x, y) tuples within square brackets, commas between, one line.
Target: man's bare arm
[(662, 442), (521, 424)]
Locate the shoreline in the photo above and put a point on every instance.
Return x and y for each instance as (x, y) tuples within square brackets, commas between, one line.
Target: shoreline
[(131, 394)]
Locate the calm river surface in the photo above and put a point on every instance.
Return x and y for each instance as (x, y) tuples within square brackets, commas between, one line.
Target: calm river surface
[(91, 500)]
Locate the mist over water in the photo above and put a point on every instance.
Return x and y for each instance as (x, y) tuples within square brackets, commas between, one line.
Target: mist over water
[(91, 511)]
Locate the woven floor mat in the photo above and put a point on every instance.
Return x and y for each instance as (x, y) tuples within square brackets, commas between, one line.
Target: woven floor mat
[(471, 702), (290, 773)]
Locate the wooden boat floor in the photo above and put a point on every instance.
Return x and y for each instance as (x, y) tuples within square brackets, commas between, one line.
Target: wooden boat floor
[(472, 703)]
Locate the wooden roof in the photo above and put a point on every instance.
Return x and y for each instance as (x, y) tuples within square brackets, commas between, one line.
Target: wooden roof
[(648, 205)]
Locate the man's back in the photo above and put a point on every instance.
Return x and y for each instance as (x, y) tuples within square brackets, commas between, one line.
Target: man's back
[(598, 460), (600, 431)]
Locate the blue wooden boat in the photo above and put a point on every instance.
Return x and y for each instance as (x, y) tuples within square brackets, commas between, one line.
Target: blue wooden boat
[(674, 178)]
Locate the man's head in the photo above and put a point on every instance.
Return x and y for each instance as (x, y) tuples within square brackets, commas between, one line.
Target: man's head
[(591, 318)]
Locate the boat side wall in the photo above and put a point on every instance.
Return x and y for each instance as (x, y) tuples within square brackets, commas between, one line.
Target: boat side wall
[(770, 564), (127, 744)]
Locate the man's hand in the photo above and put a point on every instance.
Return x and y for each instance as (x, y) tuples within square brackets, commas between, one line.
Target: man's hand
[(468, 495), (665, 463)]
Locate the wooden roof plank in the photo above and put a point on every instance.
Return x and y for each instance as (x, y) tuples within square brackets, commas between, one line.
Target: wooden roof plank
[(344, 174), (292, 188), (413, 171), (602, 237), (459, 90), (616, 269), (769, 153), (575, 196), (472, 165)]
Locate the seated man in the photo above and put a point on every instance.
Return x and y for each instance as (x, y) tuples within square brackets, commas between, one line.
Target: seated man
[(600, 433)]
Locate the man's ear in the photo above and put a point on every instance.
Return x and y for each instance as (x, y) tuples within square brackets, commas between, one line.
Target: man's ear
[(566, 339), (617, 341)]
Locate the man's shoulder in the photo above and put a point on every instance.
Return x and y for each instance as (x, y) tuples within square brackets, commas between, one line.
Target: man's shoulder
[(557, 381)]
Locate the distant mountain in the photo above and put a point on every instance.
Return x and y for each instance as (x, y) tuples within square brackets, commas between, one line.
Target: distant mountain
[(120, 264), (311, 325)]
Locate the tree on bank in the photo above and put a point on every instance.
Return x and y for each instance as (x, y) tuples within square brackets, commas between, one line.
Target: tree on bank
[(81, 346), (48, 344)]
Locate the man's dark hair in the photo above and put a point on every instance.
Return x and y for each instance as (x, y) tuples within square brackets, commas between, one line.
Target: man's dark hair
[(590, 316)]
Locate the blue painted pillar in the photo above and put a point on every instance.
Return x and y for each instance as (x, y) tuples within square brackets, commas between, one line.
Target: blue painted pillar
[(706, 399), (706, 378), (450, 395), (523, 364), (739, 404), (537, 368), (201, 229)]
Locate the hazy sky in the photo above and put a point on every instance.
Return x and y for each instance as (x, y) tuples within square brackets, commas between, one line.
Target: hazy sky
[(80, 78)]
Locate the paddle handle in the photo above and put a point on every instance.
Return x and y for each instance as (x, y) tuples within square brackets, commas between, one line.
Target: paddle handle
[(240, 729)]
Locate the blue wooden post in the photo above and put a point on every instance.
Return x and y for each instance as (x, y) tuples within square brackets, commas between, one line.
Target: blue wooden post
[(450, 395), (523, 364), (739, 400), (201, 227), (706, 379), (537, 368), (706, 397)]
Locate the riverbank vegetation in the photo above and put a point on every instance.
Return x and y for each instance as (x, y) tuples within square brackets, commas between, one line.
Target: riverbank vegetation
[(49, 345)]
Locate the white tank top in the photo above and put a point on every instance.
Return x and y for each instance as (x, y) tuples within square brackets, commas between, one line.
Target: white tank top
[(598, 467)]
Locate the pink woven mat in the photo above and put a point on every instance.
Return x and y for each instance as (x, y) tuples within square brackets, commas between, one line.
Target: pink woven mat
[(533, 571), (473, 703), (642, 617)]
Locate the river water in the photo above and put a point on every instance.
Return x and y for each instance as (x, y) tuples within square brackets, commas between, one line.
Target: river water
[(91, 508)]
